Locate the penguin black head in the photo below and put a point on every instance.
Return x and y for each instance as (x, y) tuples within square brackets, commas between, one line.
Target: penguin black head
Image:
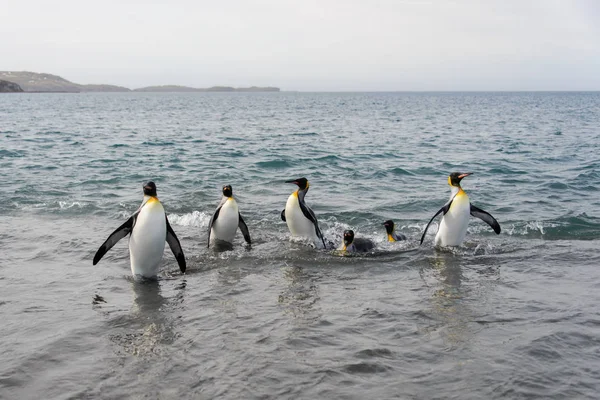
[(301, 182), (348, 237), (389, 226), (150, 189), (455, 178), (227, 191)]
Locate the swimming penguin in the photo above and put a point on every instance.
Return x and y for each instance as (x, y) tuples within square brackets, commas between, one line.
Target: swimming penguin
[(149, 228), (391, 235), (455, 220), (301, 220), (227, 219), (355, 245)]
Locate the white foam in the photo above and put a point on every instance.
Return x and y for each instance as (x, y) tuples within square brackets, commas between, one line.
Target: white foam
[(70, 204), (63, 205), (195, 218), (535, 226), (125, 214)]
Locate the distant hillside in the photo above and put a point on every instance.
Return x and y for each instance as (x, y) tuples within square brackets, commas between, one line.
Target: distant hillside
[(103, 88), (258, 89), (9, 87), (176, 88), (168, 88), (34, 82)]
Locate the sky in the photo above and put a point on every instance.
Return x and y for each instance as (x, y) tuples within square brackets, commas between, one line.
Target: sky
[(309, 45)]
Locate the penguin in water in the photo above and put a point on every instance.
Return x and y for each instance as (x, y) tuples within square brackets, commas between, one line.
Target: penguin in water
[(226, 220), (355, 245), (149, 228), (455, 220), (391, 235), (300, 219)]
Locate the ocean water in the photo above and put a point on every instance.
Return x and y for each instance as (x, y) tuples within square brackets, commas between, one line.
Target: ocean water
[(513, 315)]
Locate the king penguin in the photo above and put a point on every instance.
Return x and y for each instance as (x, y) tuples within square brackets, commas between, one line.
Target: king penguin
[(455, 220), (355, 245), (149, 228), (226, 220), (300, 219), (391, 235)]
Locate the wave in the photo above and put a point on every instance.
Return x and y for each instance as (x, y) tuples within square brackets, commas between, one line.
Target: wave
[(158, 143), (579, 227), (56, 206), (65, 205), (273, 164), (506, 171), (50, 132), (40, 167), (11, 154), (400, 171), (196, 218), (328, 158), (304, 134)]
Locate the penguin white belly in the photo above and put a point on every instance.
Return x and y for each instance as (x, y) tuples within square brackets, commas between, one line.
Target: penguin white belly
[(147, 242), (225, 227), (453, 227), (297, 223)]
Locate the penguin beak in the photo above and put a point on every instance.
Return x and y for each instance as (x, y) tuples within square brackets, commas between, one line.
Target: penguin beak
[(292, 181), (464, 175)]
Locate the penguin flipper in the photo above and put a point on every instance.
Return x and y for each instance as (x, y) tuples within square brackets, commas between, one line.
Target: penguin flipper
[(309, 214), (210, 224), (114, 237), (320, 235), (244, 228), (444, 209), (399, 236), (485, 217), (283, 215), (175, 246)]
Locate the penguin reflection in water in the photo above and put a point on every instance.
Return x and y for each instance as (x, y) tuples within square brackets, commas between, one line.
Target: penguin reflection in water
[(352, 244), (456, 211), (300, 219), (225, 221), (149, 228)]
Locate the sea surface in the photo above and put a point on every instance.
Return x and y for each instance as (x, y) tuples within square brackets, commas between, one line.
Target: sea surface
[(514, 315)]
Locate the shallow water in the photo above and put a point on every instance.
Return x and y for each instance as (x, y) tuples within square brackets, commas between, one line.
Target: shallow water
[(508, 316)]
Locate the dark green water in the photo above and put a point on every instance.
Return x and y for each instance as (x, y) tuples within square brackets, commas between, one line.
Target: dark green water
[(508, 316)]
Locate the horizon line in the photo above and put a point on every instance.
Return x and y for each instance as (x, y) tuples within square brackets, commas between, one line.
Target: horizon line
[(340, 91)]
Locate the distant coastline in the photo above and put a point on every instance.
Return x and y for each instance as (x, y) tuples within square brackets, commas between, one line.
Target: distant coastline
[(33, 82), (176, 88)]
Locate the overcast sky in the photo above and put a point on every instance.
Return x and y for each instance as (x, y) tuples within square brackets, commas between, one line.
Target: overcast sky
[(309, 45)]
